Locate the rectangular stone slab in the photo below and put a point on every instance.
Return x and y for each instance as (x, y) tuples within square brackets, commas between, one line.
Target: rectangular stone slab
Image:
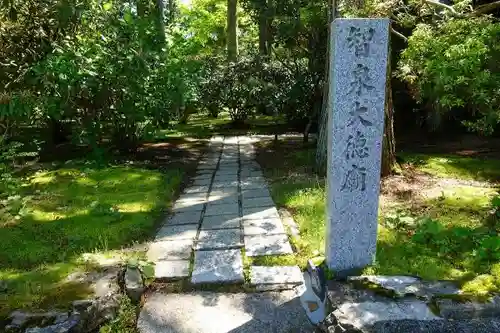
[(222, 209), (260, 213), (170, 250), (196, 189), (187, 217), (358, 62), (192, 197), (289, 275), (263, 245), (188, 206), (258, 202), (177, 232), (230, 221), (223, 199), (221, 266), (219, 239), (171, 269), (263, 227), (255, 193), (202, 182)]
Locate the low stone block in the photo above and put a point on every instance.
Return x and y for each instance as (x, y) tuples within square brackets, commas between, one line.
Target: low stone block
[(202, 182), (257, 202), (219, 239), (172, 269), (450, 309), (263, 227), (192, 197), (177, 232), (188, 206), (187, 217), (196, 189), (261, 245), (222, 266), (134, 284), (255, 193), (222, 209), (170, 250), (275, 275), (230, 221), (260, 213)]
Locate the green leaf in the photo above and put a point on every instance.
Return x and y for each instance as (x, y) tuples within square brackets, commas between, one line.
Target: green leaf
[(148, 270), (107, 6), (495, 202)]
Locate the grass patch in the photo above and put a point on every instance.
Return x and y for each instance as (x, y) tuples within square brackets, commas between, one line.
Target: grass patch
[(125, 321), (281, 260), (452, 166), (60, 214), (453, 236)]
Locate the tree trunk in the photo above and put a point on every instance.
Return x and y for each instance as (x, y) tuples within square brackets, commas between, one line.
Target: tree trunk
[(232, 30), (321, 145), (389, 141), (264, 31), (160, 16)]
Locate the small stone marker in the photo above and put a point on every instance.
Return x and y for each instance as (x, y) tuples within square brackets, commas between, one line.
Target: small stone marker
[(358, 65)]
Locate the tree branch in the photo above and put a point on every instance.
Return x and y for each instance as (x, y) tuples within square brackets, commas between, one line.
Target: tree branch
[(400, 35), (484, 9), (442, 5)]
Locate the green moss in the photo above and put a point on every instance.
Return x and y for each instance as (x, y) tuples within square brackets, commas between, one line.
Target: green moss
[(69, 212)]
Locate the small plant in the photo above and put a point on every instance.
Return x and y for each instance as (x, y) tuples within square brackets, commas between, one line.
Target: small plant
[(147, 268), (125, 321), (489, 249)]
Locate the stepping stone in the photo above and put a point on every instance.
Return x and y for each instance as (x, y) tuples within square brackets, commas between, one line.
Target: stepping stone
[(249, 185), (222, 200), (226, 178), (189, 217), (256, 193), (177, 232), (217, 266), (203, 176), (224, 184), (186, 206), (206, 167), (223, 172), (202, 182), (219, 239), (262, 245), (171, 269), (250, 173), (231, 221), (170, 250), (196, 189), (222, 209), (257, 202), (275, 277), (192, 197), (226, 192), (260, 213), (228, 165), (263, 227)]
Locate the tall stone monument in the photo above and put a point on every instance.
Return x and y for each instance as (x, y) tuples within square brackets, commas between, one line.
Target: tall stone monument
[(358, 64)]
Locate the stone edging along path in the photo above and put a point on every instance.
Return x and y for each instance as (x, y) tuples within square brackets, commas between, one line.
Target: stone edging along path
[(227, 213)]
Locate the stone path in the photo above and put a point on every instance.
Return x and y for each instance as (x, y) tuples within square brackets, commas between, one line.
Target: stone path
[(225, 214)]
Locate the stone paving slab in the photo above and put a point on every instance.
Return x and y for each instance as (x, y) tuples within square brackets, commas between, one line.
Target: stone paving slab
[(263, 227), (204, 172), (277, 275), (188, 206), (219, 239), (227, 192), (192, 197), (256, 193), (220, 266), (263, 245), (203, 176), (224, 184), (231, 221), (170, 250), (171, 269), (251, 173), (226, 178), (210, 312), (222, 172), (196, 189), (249, 185), (222, 200), (222, 209), (206, 167), (202, 182), (177, 232), (258, 202), (187, 217), (260, 213)]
